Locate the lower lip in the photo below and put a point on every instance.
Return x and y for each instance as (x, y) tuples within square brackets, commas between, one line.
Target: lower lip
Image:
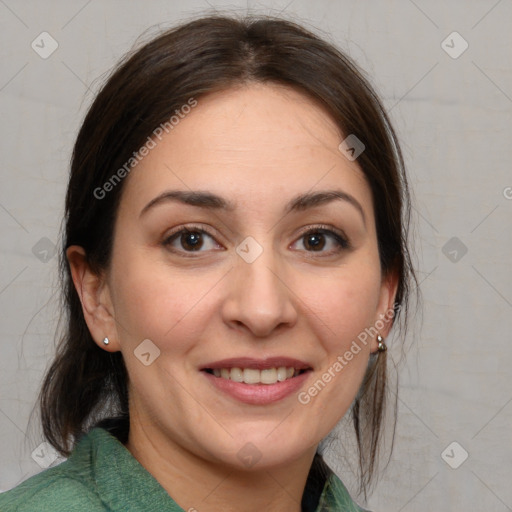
[(258, 394)]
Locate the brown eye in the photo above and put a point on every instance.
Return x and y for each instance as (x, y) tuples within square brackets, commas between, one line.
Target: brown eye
[(323, 240), (191, 239), (314, 241)]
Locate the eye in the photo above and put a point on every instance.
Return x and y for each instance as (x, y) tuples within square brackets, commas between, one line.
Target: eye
[(319, 239), (191, 239), (324, 240)]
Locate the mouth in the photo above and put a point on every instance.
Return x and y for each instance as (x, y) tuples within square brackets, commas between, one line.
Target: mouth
[(257, 371)]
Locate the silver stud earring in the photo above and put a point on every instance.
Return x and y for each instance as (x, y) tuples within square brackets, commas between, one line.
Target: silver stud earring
[(106, 341), (382, 345)]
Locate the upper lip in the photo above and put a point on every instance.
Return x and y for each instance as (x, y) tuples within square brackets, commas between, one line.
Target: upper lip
[(258, 364)]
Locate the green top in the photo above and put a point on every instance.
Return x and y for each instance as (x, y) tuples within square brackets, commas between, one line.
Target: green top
[(102, 475)]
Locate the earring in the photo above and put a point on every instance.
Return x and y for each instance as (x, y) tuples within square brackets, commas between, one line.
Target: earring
[(382, 345), (106, 341)]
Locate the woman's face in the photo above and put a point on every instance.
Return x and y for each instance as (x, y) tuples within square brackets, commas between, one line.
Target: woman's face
[(264, 284)]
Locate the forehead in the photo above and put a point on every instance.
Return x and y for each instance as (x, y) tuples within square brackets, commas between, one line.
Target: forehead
[(261, 119), (257, 141)]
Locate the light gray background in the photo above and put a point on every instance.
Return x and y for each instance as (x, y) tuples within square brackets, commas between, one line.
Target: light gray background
[(453, 116)]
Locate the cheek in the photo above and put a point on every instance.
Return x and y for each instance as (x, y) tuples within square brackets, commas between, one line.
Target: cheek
[(154, 302), (340, 307)]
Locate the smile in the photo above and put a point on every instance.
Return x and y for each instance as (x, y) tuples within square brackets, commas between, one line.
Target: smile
[(255, 376), (257, 381)]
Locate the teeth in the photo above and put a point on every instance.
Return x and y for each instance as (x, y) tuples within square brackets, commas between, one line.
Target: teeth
[(281, 374), (253, 376), (268, 376), (237, 375)]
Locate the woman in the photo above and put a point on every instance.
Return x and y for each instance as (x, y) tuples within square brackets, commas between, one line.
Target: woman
[(235, 254)]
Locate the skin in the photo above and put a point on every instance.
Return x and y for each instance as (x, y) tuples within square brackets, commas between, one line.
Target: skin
[(257, 146)]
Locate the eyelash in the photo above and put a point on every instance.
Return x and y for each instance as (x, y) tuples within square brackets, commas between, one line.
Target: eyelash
[(339, 238)]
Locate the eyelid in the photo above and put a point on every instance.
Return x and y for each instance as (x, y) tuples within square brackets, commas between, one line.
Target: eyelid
[(190, 227)]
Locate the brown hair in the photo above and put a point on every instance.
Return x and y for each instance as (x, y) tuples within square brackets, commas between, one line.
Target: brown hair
[(85, 383)]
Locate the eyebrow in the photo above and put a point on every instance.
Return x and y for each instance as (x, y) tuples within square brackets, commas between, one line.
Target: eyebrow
[(210, 201)]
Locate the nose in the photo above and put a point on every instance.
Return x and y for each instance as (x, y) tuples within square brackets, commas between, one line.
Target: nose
[(259, 299)]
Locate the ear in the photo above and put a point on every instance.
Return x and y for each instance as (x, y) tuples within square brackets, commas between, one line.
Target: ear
[(385, 309), (95, 297)]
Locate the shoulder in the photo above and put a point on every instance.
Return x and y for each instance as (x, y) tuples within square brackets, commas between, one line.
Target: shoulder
[(67, 487), (99, 476), (58, 489)]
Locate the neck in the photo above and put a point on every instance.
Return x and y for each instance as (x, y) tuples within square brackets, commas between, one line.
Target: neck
[(196, 484)]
